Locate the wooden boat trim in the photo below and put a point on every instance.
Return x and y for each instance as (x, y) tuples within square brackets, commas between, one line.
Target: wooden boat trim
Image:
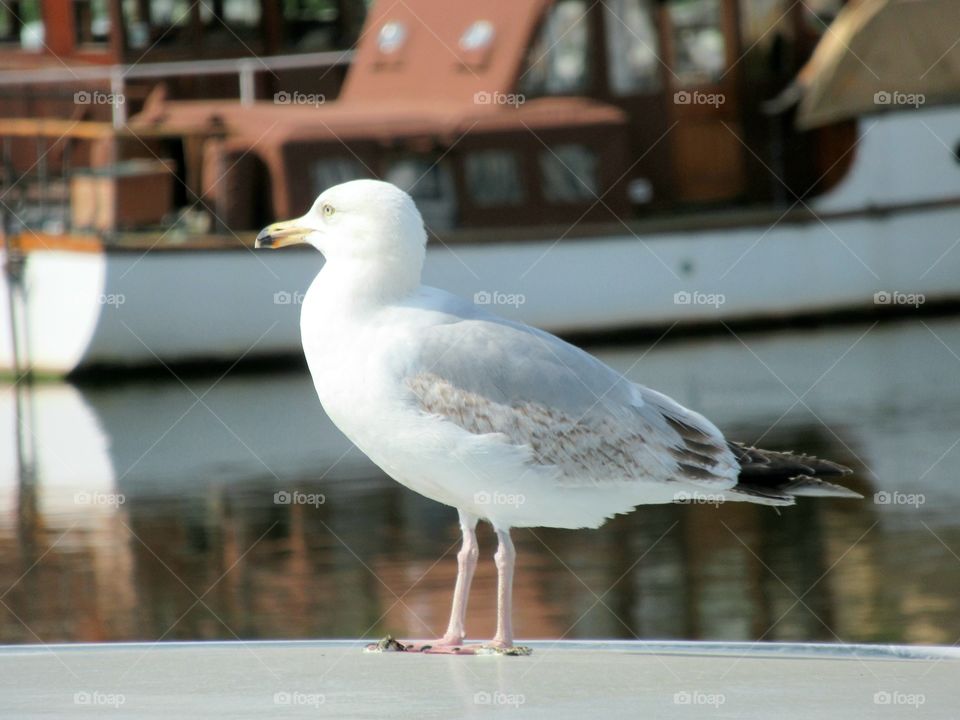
[(139, 242)]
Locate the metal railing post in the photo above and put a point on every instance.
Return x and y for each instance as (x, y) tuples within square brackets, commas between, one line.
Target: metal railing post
[(248, 87), (119, 104)]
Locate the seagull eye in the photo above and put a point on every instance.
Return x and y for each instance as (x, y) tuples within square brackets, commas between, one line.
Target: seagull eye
[(327, 210)]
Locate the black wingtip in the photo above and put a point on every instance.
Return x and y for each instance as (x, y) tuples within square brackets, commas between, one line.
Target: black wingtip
[(787, 475)]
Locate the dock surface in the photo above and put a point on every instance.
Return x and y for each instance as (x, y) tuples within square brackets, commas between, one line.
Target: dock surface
[(284, 679)]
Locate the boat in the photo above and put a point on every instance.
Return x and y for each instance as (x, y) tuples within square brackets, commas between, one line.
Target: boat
[(587, 169)]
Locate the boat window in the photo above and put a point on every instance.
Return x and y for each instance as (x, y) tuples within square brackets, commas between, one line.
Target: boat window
[(21, 24), (633, 49), (229, 22), (391, 37), (170, 13), (493, 178), (157, 23), (558, 60), (91, 21), (478, 36), (332, 171), (569, 174), (311, 25), (136, 25), (699, 48), (241, 12), (430, 183), (172, 23)]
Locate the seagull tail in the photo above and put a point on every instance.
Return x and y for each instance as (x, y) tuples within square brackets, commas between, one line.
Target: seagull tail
[(776, 478)]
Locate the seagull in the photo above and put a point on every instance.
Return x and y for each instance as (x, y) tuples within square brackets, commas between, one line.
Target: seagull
[(502, 421)]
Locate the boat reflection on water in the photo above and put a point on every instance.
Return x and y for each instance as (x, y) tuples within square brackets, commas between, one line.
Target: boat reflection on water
[(233, 508)]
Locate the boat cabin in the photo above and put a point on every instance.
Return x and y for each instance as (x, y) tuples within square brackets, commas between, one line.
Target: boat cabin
[(529, 113), (50, 50), (117, 32)]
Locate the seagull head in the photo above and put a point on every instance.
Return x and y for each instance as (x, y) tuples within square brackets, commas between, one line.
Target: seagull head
[(361, 225)]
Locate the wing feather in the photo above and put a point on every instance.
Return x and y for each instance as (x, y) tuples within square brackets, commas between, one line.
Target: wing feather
[(573, 412)]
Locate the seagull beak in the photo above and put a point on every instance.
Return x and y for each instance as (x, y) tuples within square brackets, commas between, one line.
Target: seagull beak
[(281, 234)]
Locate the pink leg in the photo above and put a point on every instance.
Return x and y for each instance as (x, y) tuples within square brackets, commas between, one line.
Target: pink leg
[(466, 564), (452, 640), (504, 557)]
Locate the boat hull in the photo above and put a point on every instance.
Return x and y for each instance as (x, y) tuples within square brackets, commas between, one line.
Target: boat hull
[(122, 308)]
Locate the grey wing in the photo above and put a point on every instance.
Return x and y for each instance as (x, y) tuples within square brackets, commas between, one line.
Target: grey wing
[(489, 375)]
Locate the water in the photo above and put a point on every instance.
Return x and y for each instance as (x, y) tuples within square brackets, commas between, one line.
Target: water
[(145, 510)]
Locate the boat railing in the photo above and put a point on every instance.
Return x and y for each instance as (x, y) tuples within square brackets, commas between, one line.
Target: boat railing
[(41, 158), (37, 192), (246, 69)]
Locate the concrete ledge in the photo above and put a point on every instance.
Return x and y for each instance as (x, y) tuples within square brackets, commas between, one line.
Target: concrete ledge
[(281, 679)]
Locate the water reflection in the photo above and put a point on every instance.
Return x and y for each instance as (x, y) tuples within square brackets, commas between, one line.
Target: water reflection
[(147, 511)]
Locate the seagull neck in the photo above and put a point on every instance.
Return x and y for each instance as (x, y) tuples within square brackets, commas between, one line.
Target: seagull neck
[(359, 284)]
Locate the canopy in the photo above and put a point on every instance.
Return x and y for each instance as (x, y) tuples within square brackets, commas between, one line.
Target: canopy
[(880, 55)]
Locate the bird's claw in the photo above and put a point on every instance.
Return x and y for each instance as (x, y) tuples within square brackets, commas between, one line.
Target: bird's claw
[(386, 644), (391, 644), (513, 651)]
